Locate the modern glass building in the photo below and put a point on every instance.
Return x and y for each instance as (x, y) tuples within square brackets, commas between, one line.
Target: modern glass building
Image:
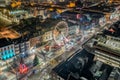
[(6, 50)]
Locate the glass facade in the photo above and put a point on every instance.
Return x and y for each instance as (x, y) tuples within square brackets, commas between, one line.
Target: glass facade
[(10, 51), (7, 52)]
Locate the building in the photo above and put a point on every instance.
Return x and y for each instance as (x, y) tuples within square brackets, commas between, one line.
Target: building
[(111, 11), (16, 15), (22, 48), (6, 49), (47, 36), (30, 36), (74, 29), (3, 3), (115, 74), (105, 46), (35, 41), (96, 67), (55, 76), (74, 67), (12, 48), (7, 52), (85, 19), (115, 16)]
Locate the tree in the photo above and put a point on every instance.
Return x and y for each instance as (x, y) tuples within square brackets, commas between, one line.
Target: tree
[(35, 61)]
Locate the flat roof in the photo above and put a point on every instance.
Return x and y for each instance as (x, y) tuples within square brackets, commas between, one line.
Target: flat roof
[(13, 34), (4, 42), (9, 33), (63, 69), (103, 8)]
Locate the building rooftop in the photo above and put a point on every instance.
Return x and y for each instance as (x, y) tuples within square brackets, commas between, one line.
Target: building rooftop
[(102, 8), (4, 42), (71, 66), (9, 33), (113, 30), (26, 30), (106, 45)]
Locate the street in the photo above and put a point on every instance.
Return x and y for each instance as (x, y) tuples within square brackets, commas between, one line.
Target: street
[(60, 55)]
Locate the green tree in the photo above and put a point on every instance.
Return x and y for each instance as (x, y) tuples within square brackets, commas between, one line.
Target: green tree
[(35, 61)]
